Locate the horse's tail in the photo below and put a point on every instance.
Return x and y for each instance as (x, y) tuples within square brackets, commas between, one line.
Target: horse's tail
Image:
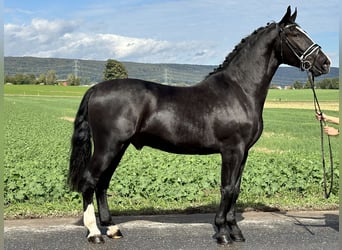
[(80, 145)]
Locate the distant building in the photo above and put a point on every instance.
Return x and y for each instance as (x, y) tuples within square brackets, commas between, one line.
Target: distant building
[(62, 82)]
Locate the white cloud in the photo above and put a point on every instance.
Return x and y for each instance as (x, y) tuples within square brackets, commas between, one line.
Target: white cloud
[(39, 30), (199, 32), (44, 38)]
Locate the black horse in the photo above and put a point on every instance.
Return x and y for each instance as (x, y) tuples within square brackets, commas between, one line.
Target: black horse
[(221, 114)]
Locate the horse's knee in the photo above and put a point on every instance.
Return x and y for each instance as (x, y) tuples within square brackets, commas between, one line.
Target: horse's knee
[(228, 190)]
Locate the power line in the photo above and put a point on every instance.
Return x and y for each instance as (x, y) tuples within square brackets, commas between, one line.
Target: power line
[(76, 68), (165, 76)]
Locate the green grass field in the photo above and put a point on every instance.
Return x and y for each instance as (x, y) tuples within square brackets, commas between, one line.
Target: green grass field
[(44, 90), (303, 95), (283, 170)]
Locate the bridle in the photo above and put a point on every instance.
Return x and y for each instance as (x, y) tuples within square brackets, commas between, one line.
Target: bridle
[(302, 57), (327, 191), (306, 65)]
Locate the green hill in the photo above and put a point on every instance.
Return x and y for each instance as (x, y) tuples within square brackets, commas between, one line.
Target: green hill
[(183, 74)]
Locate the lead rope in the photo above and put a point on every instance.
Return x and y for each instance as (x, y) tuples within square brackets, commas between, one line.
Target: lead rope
[(322, 122)]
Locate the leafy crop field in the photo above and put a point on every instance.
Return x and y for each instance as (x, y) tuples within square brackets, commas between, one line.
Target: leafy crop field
[(283, 170)]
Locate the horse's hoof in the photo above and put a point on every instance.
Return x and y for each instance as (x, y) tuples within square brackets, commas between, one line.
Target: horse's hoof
[(116, 235), (96, 239), (224, 240), (114, 232), (238, 237)]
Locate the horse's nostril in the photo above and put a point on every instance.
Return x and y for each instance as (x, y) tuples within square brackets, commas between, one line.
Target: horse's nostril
[(326, 66), (327, 63)]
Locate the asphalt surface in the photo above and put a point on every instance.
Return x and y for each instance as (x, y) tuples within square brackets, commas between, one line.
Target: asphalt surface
[(270, 230)]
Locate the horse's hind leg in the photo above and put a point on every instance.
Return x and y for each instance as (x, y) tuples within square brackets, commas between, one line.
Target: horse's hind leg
[(89, 218), (113, 230), (101, 195), (99, 163)]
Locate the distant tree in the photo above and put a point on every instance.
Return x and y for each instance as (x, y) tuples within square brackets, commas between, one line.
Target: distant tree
[(85, 81), (72, 80), (30, 79), (324, 84), (307, 85), (114, 70), (51, 77), (9, 79), (41, 79), (297, 85), (21, 79), (328, 83), (335, 83)]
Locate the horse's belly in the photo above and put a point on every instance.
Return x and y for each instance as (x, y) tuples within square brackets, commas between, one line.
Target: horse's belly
[(172, 146)]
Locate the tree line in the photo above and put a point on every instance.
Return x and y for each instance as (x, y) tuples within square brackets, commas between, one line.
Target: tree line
[(48, 78), (328, 83), (113, 70)]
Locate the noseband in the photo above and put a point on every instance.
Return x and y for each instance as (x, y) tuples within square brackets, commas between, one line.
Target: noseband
[(313, 48)]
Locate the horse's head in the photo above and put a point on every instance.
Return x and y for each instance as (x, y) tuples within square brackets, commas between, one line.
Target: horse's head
[(298, 49)]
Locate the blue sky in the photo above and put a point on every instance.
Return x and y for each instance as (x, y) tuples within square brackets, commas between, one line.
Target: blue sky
[(154, 31)]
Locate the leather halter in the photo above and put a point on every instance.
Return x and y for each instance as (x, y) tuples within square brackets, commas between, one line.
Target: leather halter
[(313, 48)]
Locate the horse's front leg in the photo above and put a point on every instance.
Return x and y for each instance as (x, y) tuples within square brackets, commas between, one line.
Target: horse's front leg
[(236, 233), (230, 174)]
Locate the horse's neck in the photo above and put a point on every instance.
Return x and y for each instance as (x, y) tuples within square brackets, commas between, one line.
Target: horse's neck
[(258, 62), (256, 75), (253, 67)]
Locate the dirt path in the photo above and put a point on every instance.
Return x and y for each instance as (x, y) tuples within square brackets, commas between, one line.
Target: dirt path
[(332, 106)]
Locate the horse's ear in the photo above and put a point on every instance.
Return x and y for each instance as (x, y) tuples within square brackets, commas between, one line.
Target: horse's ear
[(293, 17), (287, 17)]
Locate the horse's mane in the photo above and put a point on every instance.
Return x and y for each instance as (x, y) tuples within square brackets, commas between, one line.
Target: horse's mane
[(237, 49)]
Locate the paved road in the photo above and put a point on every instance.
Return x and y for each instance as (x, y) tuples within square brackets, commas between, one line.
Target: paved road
[(271, 230)]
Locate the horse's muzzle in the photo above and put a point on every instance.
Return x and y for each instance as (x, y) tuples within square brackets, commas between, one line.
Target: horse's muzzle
[(322, 65)]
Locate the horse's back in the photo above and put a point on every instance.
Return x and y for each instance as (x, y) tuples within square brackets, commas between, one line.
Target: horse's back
[(140, 92)]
